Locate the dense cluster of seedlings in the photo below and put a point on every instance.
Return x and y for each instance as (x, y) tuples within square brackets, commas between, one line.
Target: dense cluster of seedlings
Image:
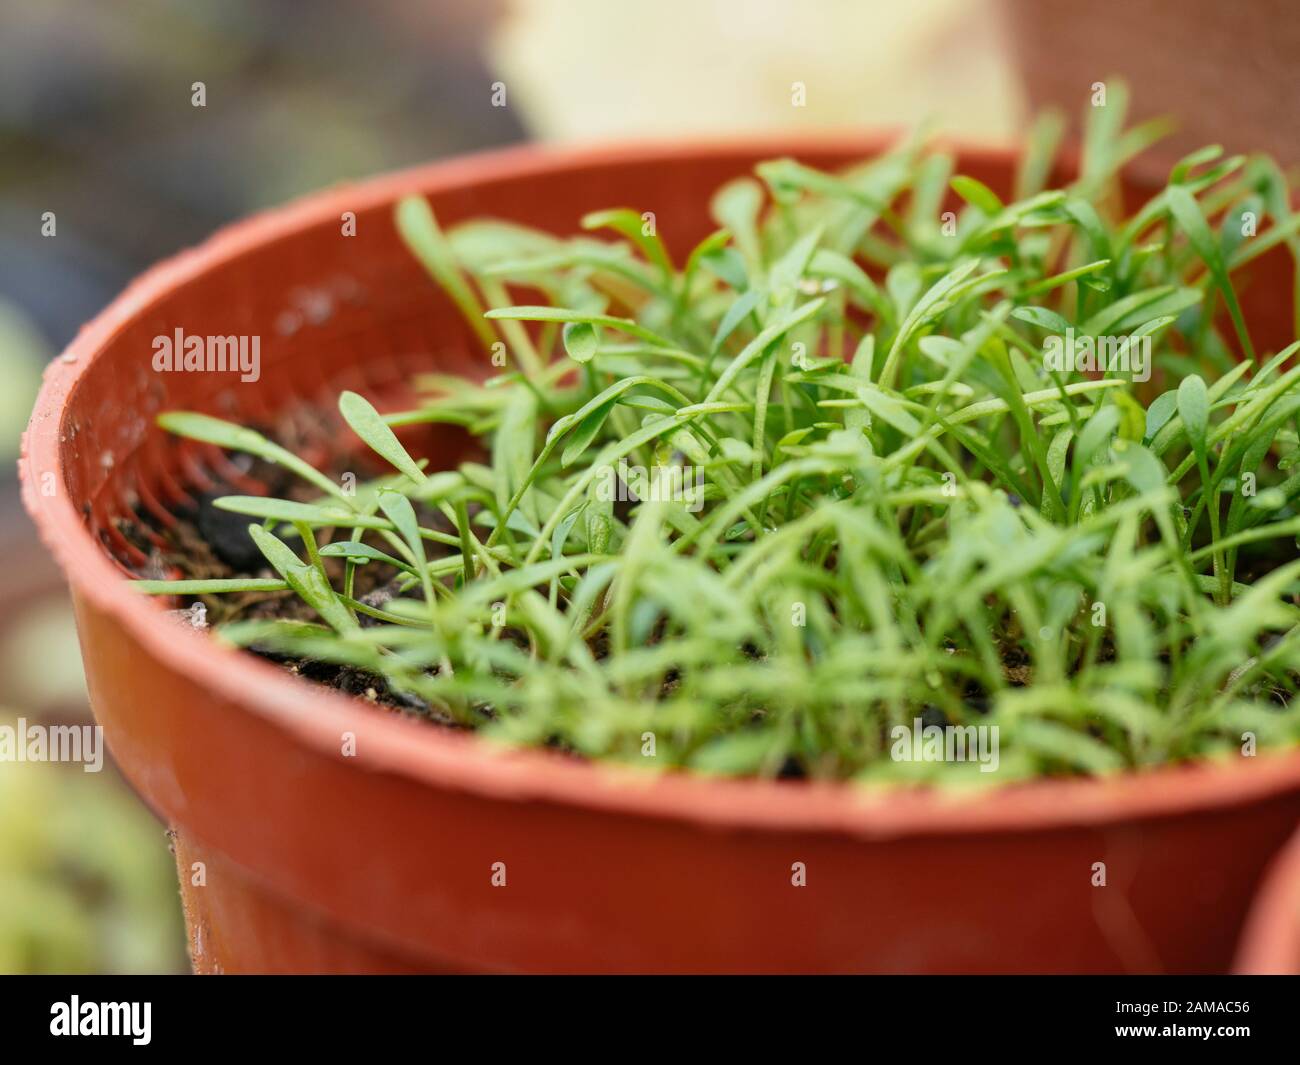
[(750, 511)]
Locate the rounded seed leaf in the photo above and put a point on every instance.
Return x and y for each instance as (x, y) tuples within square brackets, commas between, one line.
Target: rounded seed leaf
[(368, 424), (1194, 409), (581, 339)]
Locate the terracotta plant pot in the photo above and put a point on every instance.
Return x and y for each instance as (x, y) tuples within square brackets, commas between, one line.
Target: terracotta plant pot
[(392, 858), (1270, 945)]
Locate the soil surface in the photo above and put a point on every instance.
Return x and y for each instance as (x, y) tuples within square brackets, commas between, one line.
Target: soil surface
[(207, 543)]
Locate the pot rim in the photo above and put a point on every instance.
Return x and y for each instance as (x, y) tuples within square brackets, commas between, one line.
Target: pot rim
[(441, 758)]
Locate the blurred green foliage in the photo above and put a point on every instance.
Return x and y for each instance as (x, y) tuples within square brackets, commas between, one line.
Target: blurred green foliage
[(22, 354), (85, 884)]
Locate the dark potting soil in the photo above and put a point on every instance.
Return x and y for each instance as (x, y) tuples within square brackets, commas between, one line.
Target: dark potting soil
[(208, 543)]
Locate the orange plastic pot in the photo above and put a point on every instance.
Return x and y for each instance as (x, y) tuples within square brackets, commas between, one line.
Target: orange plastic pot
[(427, 850), (1271, 943)]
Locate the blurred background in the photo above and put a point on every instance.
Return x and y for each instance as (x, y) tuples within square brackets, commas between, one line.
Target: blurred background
[(98, 125)]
